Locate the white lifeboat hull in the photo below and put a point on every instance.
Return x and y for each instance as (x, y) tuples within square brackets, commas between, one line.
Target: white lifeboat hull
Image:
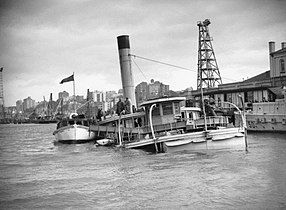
[(74, 134), (105, 142)]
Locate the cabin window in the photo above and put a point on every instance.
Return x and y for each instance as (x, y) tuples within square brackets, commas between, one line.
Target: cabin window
[(71, 122), (177, 107), (64, 123), (85, 123), (282, 66), (78, 122), (183, 115), (138, 122), (167, 108), (156, 111)]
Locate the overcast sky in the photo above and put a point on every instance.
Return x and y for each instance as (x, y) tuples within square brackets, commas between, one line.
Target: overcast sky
[(44, 41)]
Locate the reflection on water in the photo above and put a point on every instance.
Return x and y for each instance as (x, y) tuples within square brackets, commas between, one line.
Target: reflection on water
[(35, 173)]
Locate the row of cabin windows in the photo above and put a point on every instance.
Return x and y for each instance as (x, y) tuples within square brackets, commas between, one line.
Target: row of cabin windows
[(72, 122), (167, 109)]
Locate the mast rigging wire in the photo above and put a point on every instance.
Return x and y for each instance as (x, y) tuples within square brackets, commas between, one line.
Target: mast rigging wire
[(160, 62), (139, 68)]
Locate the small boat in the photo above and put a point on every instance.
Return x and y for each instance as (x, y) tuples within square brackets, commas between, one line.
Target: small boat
[(105, 142), (74, 129)]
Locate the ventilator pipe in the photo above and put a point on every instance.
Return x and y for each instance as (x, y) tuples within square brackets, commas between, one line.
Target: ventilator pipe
[(151, 125), (243, 123)]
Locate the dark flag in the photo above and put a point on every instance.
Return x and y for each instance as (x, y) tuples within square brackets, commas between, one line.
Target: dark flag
[(68, 79)]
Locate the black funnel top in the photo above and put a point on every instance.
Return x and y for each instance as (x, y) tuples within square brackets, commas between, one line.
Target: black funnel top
[(123, 42)]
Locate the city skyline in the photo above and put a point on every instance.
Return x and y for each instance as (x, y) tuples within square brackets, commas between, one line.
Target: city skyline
[(45, 42), (59, 95)]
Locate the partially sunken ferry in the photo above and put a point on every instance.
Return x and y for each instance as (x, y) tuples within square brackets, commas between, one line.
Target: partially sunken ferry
[(165, 124)]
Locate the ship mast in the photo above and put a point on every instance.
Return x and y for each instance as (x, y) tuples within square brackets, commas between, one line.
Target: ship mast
[(74, 105)]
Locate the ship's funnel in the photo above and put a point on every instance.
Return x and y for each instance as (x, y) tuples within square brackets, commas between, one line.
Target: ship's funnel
[(126, 70)]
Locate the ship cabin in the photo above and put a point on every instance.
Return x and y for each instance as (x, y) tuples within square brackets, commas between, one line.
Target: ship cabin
[(166, 115), (169, 116), (190, 115), (194, 120), (128, 121)]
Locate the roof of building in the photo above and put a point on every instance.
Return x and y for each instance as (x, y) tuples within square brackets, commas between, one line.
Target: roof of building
[(278, 51), (259, 77)]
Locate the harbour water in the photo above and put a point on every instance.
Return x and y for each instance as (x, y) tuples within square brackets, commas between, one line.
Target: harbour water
[(35, 173)]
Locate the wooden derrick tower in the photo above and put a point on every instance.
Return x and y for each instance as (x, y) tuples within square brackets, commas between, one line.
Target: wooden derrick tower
[(208, 72)]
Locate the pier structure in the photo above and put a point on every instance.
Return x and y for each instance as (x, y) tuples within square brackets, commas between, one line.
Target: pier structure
[(208, 71), (127, 76)]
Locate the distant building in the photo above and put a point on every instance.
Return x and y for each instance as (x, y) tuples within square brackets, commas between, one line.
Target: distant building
[(28, 103), (157, 89), (19, 106), (141, 92), (64, 95), (266, 86), (90, 96), (110, 95), (154, 89), (98, 96), (120, 91), (80, 99)]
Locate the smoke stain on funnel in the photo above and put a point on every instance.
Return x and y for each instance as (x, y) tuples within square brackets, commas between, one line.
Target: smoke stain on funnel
[(123, 42)]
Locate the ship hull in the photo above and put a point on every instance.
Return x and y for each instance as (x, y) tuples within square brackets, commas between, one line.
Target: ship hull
[(226, 138), (266, 122), (214, 140), (74, 134)]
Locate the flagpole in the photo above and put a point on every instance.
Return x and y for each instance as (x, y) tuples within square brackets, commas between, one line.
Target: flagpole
[(74, 94)]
